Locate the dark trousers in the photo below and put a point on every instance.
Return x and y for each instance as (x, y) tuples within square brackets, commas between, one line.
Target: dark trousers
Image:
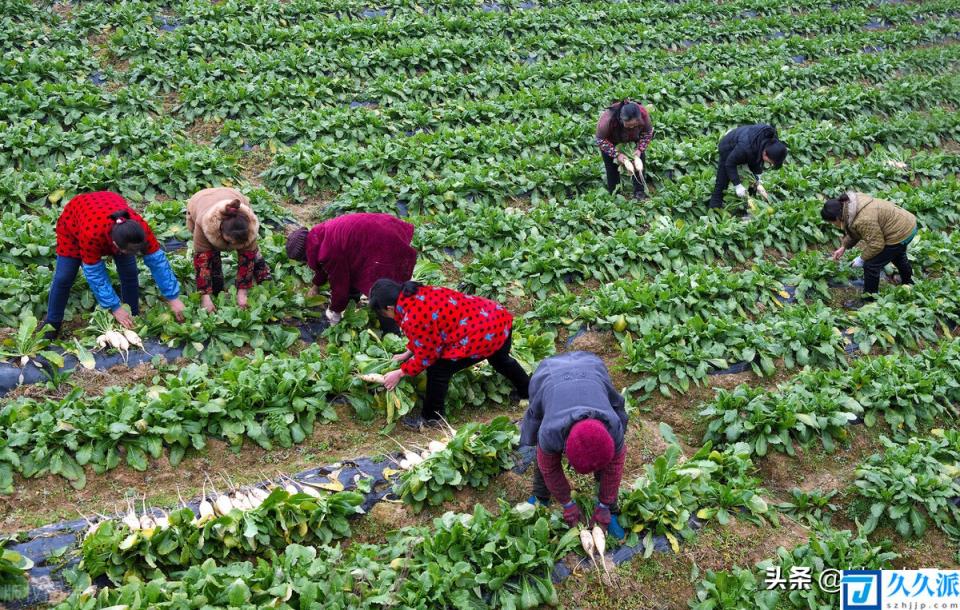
[(613, 173), (441, 371), (723, 178), (543, 494), (65, 273), (891, 254)]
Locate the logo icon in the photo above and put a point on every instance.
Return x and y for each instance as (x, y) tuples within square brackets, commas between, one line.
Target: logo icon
[(861, 590)]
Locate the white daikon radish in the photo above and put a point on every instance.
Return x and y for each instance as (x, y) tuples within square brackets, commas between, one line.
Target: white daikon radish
[(600, 544), (290, 489), (132, 338), (586, 541), (436, 446), (310, 491), (240, 501), (405, 464), (102, 341), (412, 457), (222, 505), (130, 518)]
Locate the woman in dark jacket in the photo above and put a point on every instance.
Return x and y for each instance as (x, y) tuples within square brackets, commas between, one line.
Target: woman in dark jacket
[(755, 146), (623, 122), (575, 411)]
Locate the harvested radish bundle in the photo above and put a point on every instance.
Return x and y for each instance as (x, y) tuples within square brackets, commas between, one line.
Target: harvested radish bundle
[(600, 545), (586, 541), (124, 548), (114, 336), (470, 458)]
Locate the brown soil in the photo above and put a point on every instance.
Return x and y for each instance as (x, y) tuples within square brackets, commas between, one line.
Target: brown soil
[(253, 163), (203, 132)]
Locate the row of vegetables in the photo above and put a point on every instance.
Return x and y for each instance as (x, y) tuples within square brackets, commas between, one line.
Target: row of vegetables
[(156, 560), (273, 400)]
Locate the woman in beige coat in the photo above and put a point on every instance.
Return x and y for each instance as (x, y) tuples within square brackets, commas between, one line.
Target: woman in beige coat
[(879, 228), (222, 220)]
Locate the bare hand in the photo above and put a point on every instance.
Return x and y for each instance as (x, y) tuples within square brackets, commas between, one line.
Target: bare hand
[(123, 317), (622, 159), (314, 291), (391, 379), (176, 306), (206, 301), (402, 357), (838, 253), (242, 298)]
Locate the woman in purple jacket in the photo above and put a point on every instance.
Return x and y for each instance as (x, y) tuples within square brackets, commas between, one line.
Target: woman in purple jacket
[(353, 251)]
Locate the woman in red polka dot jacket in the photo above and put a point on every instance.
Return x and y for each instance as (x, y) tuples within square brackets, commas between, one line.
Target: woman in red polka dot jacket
[(446, 332), (94, 225)]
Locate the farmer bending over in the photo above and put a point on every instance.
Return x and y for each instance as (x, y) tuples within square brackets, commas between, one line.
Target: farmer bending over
[(446, 332), (755, 146), (222, 220), (881, 229), (95, 225), (352, 252), (575, 411), (620, 123)]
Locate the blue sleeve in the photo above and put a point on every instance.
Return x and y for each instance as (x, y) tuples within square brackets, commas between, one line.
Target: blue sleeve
[(163, 274), (100, 285)]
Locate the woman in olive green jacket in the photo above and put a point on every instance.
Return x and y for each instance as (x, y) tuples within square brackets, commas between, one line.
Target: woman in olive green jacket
[(882, 231)]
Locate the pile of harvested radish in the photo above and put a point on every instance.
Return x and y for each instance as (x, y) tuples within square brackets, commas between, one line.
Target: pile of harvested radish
[(119, 338)]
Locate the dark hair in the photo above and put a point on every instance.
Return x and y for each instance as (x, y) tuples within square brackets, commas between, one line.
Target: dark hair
[(127, 234), (627, 111), (384, 293), (235, 227), (833, 208), (777, 151)]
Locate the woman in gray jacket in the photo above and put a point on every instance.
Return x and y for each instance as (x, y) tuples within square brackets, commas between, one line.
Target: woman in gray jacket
[(576, 412)]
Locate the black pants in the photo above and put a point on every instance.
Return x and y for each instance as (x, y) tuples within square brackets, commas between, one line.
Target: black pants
[(541, 492), (441, 371), (613, 173), (723, 179), (891, 254)]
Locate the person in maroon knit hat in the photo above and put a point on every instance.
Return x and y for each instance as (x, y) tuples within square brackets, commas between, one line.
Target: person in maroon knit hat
[(353, 251), (575, 411)]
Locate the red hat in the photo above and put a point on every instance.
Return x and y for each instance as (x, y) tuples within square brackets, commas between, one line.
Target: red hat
[(589, 446)]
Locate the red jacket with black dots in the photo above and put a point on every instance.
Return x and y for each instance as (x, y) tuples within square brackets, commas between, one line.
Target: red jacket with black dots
[(443, 323), (83, 230)]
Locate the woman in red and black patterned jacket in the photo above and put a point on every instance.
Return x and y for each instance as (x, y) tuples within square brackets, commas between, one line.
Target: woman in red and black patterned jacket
[(446, 332), (621, 123), (95, 225)]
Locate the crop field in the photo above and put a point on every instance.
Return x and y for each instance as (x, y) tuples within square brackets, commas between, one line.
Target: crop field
[(770, 426)]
